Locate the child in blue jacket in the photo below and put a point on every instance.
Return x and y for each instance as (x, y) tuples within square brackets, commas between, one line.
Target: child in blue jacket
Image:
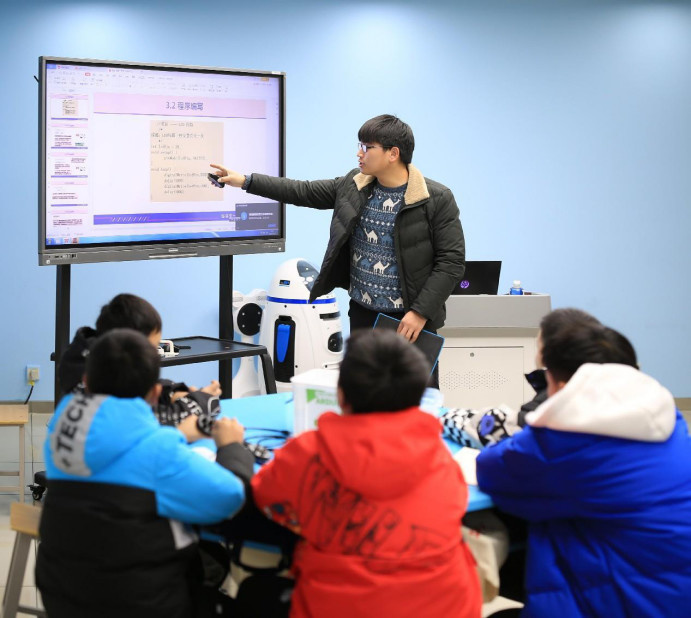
[(602, 473), (120, 484)]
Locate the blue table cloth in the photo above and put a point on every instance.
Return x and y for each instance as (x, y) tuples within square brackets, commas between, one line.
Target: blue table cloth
[(265, 418)]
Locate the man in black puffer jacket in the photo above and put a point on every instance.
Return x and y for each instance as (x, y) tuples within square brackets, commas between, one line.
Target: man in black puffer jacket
[(396, 242)]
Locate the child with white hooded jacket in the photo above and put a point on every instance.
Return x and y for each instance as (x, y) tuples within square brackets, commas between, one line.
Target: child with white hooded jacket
[(602, 473)]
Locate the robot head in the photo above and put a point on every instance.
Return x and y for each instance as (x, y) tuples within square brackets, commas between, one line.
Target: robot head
[(294, 280)]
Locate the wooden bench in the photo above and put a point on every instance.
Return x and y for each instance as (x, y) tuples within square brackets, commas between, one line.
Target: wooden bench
[(15, 416)]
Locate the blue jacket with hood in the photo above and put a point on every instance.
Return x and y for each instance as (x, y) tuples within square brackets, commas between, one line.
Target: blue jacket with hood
[(602, 473), (119, 485)]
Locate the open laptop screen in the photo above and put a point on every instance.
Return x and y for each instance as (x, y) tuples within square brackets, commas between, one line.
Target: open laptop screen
[(480, 277)]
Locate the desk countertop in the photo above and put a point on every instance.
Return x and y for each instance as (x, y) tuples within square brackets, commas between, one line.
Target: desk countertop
[(260, 415)]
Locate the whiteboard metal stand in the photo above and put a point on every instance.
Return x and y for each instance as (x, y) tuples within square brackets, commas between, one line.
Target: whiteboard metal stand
[(62, 321), (224, 349)]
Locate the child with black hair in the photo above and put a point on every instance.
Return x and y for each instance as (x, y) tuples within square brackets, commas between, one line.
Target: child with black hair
[(375, 496), (112, 544), (602, 474), (555, 320), (177, 403), (123, 311)]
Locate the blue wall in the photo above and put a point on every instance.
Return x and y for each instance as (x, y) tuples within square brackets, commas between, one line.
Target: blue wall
[(563, 128)]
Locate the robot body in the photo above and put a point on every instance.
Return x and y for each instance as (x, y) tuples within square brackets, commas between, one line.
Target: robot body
[(299, 334)]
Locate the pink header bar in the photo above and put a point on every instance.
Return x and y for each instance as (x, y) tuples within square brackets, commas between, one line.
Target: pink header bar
[(159, 105)]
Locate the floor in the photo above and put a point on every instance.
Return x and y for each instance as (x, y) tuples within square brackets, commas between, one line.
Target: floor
[(35, 433), (29, 596)]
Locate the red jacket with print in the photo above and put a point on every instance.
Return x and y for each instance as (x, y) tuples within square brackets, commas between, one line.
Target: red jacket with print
[(378, 501)]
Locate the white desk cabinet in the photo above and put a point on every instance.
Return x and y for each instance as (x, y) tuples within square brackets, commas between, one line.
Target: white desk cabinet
[(490, 343)]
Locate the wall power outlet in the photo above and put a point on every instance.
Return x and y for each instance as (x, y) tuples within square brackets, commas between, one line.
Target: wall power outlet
[(33, 373)]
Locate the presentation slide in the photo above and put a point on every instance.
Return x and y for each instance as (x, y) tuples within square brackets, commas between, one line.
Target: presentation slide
[(128, 152)]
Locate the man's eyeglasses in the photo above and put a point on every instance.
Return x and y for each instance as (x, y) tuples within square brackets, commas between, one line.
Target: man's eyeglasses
[(366, 147)]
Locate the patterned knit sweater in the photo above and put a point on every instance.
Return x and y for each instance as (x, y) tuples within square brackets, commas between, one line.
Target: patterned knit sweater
[(374, 279)]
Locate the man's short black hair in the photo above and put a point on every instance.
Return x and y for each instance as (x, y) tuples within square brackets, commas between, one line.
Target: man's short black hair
[(129, 311), (382, 372), (389, 131), (565, 349), (122, 363)]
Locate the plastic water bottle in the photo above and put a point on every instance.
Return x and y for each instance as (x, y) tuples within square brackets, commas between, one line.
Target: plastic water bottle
[(516, 289)]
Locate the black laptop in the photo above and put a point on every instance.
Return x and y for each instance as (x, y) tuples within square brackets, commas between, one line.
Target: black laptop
[(479, 278)]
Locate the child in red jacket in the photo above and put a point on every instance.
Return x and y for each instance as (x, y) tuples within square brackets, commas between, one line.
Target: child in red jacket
[(375, 496)]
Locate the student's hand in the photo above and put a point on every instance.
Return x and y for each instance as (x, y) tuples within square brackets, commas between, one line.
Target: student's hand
[(411, 325), (226, 431), (213, 389), (229, 177), (179, 395), (188, 427)]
